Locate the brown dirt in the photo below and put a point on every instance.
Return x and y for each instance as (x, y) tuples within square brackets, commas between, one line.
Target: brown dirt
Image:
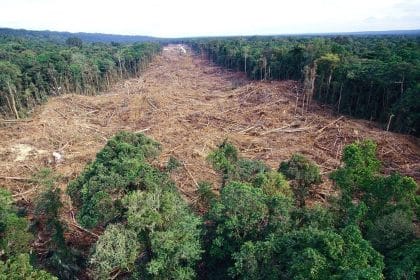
[(190, 106)]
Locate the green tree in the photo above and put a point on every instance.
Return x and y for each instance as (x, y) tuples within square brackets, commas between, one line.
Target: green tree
[(226, 160), (14, 236), (309, 253), (384, 206), (169, 233), (10, 75), (64, 261), (119, 167), (19, 267), (360, 178), (159, 237), (176, 251), (74, 42), (115, 251), (305, 174)]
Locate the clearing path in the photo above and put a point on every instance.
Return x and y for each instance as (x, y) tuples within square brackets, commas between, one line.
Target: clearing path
[(190, 106)]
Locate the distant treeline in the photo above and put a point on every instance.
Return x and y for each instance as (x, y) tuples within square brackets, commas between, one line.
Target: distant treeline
[(57, 36), (371, 77), (33, 69)]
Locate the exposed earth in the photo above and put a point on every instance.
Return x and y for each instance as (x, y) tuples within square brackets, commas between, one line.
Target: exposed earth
[(189, 106)]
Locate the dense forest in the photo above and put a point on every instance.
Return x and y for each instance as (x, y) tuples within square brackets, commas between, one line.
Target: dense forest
[(259, 226), (371, 77), (85, 37), (33, 69)]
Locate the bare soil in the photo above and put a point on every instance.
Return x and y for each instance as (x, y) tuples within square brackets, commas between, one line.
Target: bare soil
[(190, 106)]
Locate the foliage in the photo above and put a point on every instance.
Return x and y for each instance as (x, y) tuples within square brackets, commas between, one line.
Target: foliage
[(304, 172), (119, 168), (254, 229), (168, 230), (172, 164), (309, 253), (225, 159), (403, 262), (316, 216), (14, 236), (116, 249), (15, 244), (74, 42), (175, 251), (46, 178), (391, 231), (205, 193), (64, 261), (48, 204), (240, 215), (153, 210), (272, 183), (163, 232), (158, 237), (360, 178), (19, 267), (384, 206)]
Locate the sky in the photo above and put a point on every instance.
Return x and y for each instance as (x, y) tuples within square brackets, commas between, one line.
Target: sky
[(184, 18)]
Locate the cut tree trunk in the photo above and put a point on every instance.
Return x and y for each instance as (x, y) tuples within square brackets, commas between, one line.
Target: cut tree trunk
[(12, 102)]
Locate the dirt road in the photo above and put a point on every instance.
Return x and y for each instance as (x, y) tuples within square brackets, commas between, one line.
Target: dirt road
[(189, 106)]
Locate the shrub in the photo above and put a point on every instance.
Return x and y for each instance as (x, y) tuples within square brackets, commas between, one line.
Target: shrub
[(172, 164)]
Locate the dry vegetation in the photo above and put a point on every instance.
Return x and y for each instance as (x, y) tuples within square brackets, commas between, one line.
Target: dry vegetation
[(189, 106)]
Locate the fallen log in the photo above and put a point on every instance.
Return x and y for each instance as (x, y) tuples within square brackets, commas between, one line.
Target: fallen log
[(15, 178), (83, 229), (285, 129), (329, 124), (15, 120), (25, 192), (142, 130), (189, 173)]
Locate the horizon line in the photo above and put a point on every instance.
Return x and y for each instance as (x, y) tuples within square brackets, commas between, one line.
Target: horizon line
[(221, 35)]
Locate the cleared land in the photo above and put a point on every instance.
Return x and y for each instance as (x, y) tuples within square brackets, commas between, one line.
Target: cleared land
[(189, 106)]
